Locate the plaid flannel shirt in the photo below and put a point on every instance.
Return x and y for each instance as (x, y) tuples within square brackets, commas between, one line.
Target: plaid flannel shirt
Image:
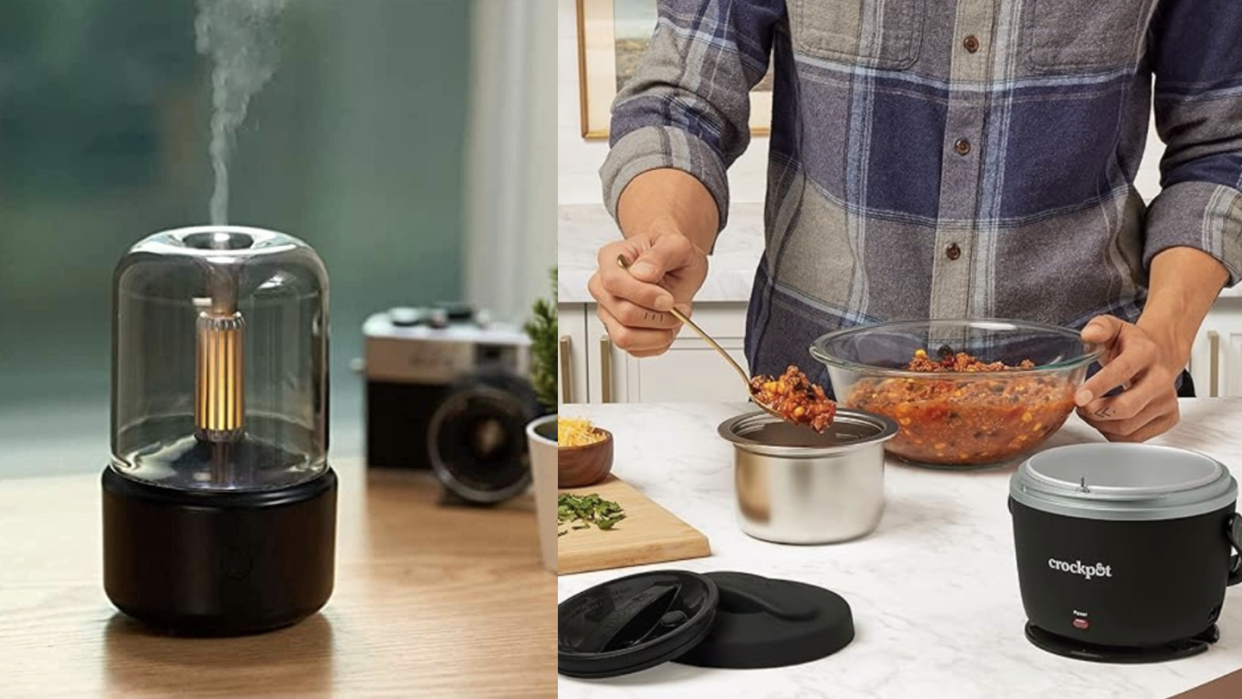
[(948, 159)]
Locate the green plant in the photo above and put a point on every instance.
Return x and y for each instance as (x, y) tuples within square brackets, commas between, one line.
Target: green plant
[(580, 512), (542, 331)]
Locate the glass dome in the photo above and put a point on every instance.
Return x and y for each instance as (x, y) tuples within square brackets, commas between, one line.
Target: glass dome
[(219, 360)]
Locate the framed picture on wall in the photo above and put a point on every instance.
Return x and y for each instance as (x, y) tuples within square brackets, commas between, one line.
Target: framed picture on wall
[(612, 36)]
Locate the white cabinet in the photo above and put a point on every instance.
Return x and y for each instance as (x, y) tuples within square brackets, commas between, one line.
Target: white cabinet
[(571, 353), (689, 371), (1216, 359)]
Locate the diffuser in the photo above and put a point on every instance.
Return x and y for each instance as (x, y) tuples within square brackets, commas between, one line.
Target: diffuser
[(219, 507)]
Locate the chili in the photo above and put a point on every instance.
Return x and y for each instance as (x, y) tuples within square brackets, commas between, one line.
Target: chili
[(795, 398), (964, 420)]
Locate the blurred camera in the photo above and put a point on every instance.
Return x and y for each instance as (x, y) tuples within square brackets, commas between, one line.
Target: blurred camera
[(448, 390)]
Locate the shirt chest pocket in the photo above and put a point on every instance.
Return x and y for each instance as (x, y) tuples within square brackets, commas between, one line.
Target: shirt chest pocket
[(885, 34), (1076, 35)]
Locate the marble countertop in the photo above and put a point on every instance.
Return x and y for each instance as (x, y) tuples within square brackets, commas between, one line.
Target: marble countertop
[(583, 229), (934, 590)]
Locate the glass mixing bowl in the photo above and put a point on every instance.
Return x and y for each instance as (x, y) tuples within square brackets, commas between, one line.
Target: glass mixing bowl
[(959, 419)]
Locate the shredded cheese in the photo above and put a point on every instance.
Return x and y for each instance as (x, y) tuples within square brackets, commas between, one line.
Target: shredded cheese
[(571, 432)]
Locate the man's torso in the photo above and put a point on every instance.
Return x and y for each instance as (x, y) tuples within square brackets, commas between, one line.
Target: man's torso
[(952, 160)]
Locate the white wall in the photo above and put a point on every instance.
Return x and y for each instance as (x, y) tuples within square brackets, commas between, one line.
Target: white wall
[(578, 160)]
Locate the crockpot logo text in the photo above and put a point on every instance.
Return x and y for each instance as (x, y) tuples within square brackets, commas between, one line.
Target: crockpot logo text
[(1088, 571)]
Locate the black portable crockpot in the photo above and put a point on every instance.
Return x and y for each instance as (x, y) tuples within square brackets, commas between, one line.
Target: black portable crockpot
[(1123, 545)]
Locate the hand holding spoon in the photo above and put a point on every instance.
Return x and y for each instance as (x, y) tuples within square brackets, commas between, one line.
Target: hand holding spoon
[(777, 396)]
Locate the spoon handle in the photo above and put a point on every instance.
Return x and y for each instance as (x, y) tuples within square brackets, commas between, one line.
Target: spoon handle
[(624, 264)]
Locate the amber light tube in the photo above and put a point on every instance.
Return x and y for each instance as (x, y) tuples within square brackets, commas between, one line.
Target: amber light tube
[(218, 387)]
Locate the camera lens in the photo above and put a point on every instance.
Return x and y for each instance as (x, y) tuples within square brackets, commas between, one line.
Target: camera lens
[(488, 439), (478, 438)]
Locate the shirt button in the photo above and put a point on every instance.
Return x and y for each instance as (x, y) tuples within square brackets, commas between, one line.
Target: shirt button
[(962, 146), (971, 43), (953, 252)]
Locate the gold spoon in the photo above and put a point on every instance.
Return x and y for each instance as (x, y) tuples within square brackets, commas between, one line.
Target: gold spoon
[(625, 264)]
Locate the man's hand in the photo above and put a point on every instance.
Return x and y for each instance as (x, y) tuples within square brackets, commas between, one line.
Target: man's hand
[(1146, 367), (665, 271)]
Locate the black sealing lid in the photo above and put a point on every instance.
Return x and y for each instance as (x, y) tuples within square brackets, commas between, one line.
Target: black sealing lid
[(772, 623), (633, 623), (727, 620)]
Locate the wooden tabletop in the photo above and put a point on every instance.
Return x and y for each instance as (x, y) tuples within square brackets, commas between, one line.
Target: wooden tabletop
[(430, 601), (1227, 687)]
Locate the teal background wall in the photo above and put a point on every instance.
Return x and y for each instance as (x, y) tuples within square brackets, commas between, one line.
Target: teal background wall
[(355, 145)]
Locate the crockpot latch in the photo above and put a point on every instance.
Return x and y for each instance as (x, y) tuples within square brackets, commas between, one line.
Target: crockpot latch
[(1234, 533)]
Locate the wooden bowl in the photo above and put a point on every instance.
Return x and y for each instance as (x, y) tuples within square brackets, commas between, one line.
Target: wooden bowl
[(581, 466)]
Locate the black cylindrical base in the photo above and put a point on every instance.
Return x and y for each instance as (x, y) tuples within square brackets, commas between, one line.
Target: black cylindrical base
[(1080, 650), (218, 563)]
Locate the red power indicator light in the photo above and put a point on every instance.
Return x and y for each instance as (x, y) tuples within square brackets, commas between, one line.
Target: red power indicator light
[(1082, 624)]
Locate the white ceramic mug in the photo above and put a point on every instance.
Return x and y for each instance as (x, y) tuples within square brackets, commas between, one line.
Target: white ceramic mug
[(541, 436)]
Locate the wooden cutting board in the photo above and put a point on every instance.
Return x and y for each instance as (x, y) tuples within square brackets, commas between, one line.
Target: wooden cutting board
[(648, 534)]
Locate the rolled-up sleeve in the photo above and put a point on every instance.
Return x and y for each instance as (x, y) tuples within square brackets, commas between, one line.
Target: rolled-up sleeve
[(688, 104), (1197, 60)]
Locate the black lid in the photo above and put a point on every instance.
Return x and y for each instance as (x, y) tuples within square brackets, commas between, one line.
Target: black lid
[(772, 623), (633, 623), (727, 620)]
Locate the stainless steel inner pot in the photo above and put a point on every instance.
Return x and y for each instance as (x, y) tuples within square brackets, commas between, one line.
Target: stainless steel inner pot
[(795, 486)]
